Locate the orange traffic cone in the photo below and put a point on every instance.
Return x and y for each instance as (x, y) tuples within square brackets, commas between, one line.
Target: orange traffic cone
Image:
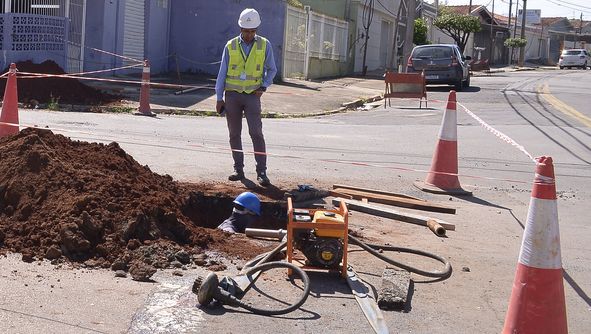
[(537, 303), (9, 116), (144, 108), (443, 176)]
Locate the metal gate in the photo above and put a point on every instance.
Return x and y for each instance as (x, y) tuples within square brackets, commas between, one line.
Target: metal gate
[(133, 30), (295, 55), (309, 34), (75, 51)]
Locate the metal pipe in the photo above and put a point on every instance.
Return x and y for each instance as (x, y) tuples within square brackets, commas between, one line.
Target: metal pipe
[(264, 233), (436, 228)]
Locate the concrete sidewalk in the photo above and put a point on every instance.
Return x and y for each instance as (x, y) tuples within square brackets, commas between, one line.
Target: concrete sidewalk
[(291, 98)]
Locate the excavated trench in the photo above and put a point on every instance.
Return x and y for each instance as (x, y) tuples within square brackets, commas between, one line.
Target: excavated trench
[(92, 204), (209, 210)]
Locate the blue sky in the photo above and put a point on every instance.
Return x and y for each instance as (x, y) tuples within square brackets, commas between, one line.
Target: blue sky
[(567, 8)]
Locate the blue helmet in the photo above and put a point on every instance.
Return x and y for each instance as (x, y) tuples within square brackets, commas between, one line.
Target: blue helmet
[(249, 201)]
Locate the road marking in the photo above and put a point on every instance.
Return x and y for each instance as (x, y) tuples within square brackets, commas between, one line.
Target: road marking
[(544, 90)]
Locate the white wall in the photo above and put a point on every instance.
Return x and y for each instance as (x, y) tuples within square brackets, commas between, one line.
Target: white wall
[(373, 47)]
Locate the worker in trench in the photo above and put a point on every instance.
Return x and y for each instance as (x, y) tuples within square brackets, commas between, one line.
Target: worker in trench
[(246, 210)]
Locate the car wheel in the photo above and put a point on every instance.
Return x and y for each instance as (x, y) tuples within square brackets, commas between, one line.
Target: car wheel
[(467, 82), (585, 66), (561, 67), (459, 85)]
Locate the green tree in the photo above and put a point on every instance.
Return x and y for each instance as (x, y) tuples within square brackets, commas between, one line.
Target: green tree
[(420, 35), (457, 26), (515, 42)]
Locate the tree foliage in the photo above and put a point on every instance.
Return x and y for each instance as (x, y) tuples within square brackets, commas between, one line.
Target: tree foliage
[(457, 26), (516, 42), (420, 34), (295, 3)]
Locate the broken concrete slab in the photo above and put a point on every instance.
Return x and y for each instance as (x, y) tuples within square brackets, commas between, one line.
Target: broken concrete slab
[(394, 290)]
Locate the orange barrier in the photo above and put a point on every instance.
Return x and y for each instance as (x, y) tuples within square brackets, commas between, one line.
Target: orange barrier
[(443, 176), (479, 65), (9, 112), (405, 85), (537, 303), (144, 108)]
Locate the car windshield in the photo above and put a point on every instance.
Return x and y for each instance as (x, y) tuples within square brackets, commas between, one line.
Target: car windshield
[(434, 52), (571, 52)]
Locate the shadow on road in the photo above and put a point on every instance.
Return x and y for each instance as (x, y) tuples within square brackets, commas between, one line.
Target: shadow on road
[(543, 111), (439, 88)]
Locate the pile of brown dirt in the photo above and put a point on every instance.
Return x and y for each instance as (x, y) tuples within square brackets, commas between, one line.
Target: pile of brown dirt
[(60, 90), (92, 203)]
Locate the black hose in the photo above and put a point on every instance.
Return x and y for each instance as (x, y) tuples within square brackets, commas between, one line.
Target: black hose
[(271, 265), (264, 257), (259, 265), (372, 249)]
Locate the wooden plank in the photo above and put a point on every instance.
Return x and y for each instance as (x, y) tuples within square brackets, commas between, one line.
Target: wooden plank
[(375, 191), (397, 201), (391, 213), (334, 193)]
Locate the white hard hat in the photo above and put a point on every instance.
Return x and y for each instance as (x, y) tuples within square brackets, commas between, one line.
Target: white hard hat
[(249, 19)]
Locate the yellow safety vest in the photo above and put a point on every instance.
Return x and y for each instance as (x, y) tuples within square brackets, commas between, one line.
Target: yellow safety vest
[(245, 74)]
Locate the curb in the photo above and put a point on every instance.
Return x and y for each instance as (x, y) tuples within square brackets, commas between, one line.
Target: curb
[(123, 109)]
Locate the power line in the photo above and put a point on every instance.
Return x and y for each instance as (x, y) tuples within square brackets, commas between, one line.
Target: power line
[(566, 6), (386, 9), (573, 4)]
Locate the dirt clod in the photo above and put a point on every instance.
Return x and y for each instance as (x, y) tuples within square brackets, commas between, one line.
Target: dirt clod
[(142, 272)]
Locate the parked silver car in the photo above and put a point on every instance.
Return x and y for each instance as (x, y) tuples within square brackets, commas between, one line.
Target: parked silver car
[(574, 58), (442, 63)]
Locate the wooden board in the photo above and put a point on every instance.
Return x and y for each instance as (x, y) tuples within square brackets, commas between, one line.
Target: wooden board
[(391, 213), (396, 200), (374, 191)]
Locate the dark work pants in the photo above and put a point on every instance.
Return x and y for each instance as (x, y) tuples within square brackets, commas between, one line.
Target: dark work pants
[(250, 105)]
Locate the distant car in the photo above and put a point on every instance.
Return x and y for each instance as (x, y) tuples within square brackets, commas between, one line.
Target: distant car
[(442, 63), (574, 58)]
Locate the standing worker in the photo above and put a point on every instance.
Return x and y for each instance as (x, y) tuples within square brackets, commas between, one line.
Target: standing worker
[(247, 70)]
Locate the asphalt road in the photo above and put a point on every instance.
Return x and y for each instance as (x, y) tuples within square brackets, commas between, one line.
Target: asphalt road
[(381, 148)]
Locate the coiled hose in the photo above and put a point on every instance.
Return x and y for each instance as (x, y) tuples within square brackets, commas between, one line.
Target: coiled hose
[(260, 264), (271, 265), (372, 249)]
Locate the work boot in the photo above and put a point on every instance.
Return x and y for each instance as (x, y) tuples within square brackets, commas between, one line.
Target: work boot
[(263, 179), (236, 176)]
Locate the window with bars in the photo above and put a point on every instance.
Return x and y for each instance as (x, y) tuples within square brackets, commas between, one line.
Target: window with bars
[(38, 7)]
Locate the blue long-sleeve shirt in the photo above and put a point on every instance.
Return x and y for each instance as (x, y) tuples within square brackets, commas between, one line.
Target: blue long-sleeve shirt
[(269, 68)]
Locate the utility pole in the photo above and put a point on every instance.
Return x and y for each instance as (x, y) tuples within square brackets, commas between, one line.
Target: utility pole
[(580, 31), (522, 49), (510, 14), (411, 8), (394, 61), (492, 34), (470, 8), (514, 29), (367, 18)]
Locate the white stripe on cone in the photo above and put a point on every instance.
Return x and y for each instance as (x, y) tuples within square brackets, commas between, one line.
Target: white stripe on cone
[(449, 130), (540, 247)]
